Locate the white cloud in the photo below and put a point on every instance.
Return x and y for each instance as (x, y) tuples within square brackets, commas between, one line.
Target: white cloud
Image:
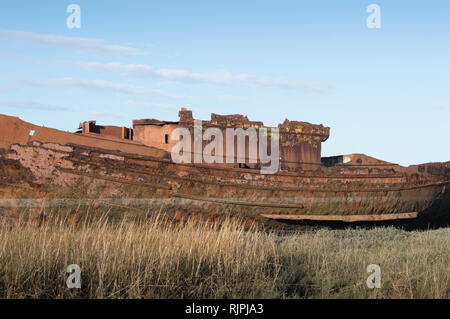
[(30, 105), (84, 45), (101, 85), (438, 107), (96, 85), (223, 78), (22, 104), (12, 54)]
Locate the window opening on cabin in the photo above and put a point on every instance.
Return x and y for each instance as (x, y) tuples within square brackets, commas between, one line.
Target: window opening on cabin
[(166, 137)]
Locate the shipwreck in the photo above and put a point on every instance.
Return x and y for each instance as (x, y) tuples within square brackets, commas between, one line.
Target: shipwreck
[(305, 186)]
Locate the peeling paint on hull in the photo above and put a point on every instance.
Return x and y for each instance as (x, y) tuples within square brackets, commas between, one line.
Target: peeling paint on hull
[(341, 192)]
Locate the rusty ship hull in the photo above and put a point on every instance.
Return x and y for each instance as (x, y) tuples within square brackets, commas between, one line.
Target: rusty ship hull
[(361, 189)]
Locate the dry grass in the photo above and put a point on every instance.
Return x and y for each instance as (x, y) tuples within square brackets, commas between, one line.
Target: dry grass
[(157, 259)]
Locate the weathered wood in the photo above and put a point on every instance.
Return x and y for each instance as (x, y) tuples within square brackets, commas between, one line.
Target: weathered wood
[(348, 218)]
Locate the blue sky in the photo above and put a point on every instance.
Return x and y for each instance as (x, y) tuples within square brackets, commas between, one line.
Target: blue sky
[(384, 92)]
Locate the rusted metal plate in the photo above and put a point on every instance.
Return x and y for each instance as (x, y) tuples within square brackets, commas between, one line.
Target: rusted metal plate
[(236, 202), (348, 218)]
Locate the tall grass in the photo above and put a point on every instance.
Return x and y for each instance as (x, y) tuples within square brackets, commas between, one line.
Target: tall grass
[(159, 259)]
